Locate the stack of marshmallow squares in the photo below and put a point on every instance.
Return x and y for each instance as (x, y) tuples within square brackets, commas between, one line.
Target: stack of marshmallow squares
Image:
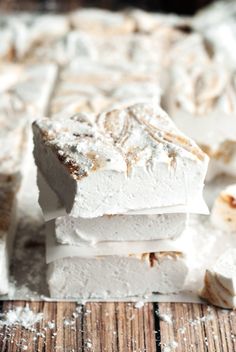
[(116, 189)]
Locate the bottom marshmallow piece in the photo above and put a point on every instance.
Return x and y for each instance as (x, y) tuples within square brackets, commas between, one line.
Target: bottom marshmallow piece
[(8, 188), (223, 213), (117, 276), (220, 281)]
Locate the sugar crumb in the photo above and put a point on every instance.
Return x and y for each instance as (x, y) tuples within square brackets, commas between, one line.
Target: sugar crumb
[(139, 304)]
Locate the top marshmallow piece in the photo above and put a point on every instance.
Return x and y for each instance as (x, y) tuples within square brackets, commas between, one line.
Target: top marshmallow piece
[(137, 152)]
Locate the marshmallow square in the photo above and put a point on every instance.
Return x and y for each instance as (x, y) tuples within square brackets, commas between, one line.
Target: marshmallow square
[(119, 161), (220, 281)]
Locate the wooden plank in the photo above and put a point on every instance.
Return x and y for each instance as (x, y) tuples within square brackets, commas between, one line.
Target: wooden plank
[(197, 328), (122, 327), (96, 327)]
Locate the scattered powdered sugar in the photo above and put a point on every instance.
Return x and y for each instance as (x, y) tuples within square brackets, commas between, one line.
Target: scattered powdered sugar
[(171, 346), (22, 316), (182, 330), (200, 320), (51, 325), (167, 318), (88, 344), (139, 304)]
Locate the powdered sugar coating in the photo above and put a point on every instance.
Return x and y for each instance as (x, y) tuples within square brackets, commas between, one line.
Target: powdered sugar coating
[(118, 140)]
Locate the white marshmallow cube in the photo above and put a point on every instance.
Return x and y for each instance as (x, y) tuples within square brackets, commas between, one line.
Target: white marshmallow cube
[(119, 161), (220, 281)]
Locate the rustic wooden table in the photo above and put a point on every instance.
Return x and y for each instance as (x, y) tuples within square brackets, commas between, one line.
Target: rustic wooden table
[(124, 327)]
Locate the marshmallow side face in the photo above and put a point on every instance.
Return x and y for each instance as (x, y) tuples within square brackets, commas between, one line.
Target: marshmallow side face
[(119, 161), (117, 277), (220, 281), (53, 208), (69, 230), (223, 215), (215, 293)]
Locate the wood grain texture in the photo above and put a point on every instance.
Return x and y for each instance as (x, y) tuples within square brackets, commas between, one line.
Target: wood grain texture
[(198, 328), (121, 327)]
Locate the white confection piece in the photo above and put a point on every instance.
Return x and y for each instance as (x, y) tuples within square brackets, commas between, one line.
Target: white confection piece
[(19, 104), (134, 47), (119, 228), (10, 74), (204, 96), (91, 46), (119, 161), (223, 213), (144, 21), (21, 37), (81, 44), (36, 32), (117, 276), (17, 81), (107, 228), (223, 40), (52, 207), (8, 188), (92, 78), (100, 21), (7, 45), (225, 271), (42, 77), (71, 98), (220, 281), (137, 48), (190, 51), (136, 90), (48, 28), (83, 249), (105, 75), (13, 136), (214, 15)]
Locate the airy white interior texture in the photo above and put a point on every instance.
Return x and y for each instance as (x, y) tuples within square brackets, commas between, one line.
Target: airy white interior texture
[(117, 276), (53, 208), (119, 228)]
